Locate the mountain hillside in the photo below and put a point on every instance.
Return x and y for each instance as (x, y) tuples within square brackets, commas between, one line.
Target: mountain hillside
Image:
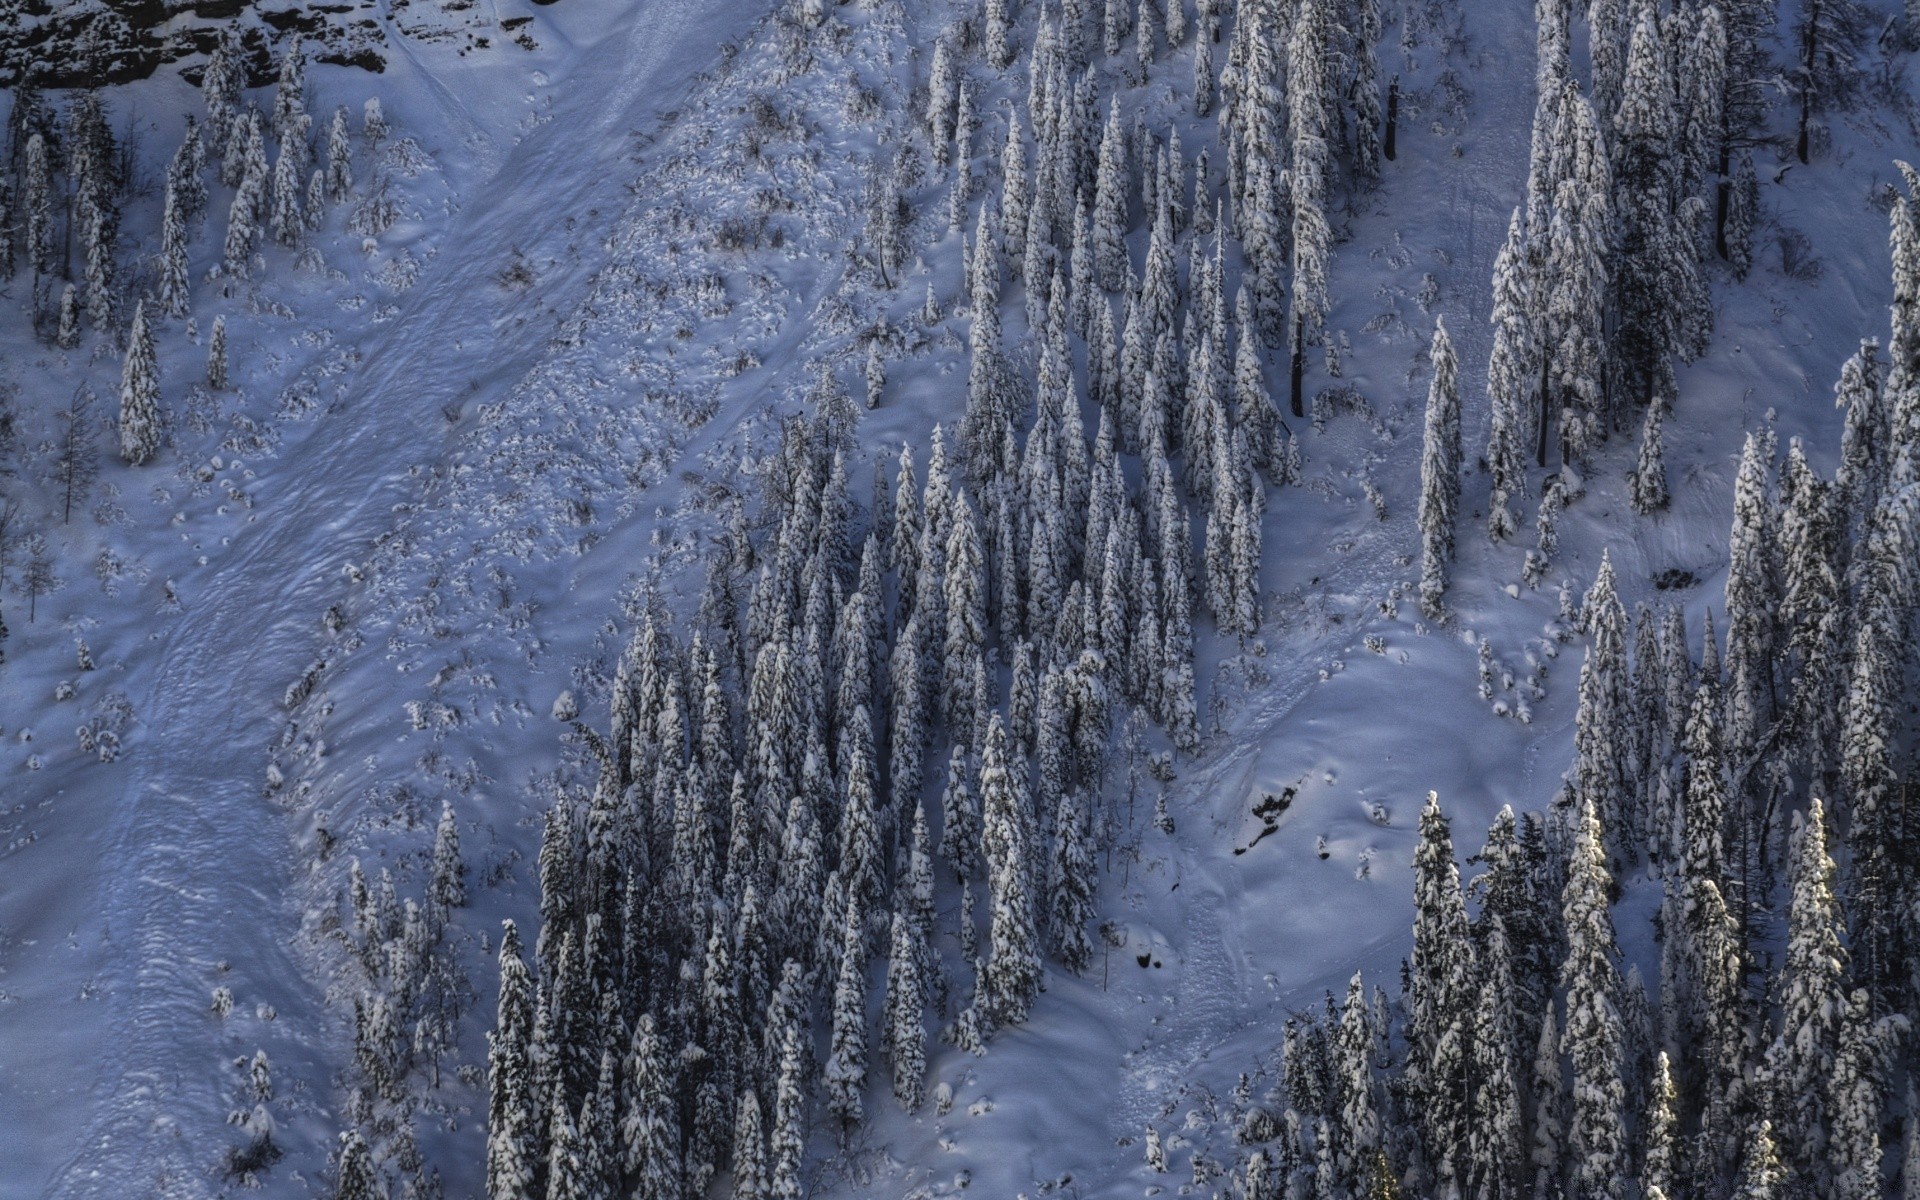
[(632, 597)]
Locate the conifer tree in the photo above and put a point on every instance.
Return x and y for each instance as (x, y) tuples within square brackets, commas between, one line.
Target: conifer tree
[(287, 221), (1441, 999), (1855, 1103), (1110, 203), (1593, 1039), (788, 1137), (446, 887), (512, 1112), (357, 1179), (1012, 972), (1647, 489), (1811, 997), (1071, 893), (1604, 728), (1439, 473), (846, 1070), (998, 32), (139, 394), (217, 355), (36, 200), (339, 157), (1495, 1125), (1762, 1175), (1661, 1167), (903, 1028), (67, 331), (1742, 209), (649, 1120), (173, 256), (749, 1149), (1549, 1104), (1511, 377), (1656, 258)]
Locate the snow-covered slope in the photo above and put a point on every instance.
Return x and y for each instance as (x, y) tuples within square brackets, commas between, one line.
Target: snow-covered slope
[(462, 453)]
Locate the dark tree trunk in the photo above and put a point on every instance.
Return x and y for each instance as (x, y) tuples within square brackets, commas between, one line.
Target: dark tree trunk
[(1299, 364), (1809, 50), (1393, 116), (1723, 198), (1540, 451)]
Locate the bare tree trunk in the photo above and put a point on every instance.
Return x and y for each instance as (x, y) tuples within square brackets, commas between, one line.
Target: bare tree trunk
[(1299, 363), (1393, 116)]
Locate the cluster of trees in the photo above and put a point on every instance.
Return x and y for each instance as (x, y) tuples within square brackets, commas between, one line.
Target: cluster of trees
[(1601, 285), (1762, 1064), (66, 183), (406, 1012), (768, 862)]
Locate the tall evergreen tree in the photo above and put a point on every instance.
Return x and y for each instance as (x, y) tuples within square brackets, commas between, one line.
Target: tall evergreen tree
[(1439, 473), (139, 394), (1594, 1040)]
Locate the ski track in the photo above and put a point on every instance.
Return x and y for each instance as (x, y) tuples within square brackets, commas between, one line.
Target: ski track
[(197, 856)]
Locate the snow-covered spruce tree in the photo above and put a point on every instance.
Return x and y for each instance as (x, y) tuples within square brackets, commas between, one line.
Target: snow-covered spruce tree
[(1071, 885), (217, 355), (356, 1178), (446, 885), (1811, 995), (1608, 29), (1605, 725), (1856, 1098), (649, 1120), (100, 272), (1495, 1148), (1703, 815), (1549, 1095), (1812, 614), (1742, 208), (903, 1028), (139, 394), (290, 97), (1439, 473), (339, 157), (67, 328), (286, 219), (1718, 1012), (1441, 1000), (1656, 258), (243, 216), (846, 1069), (1762, 1175), (999, 33), (1593, 1040), (1881, 656), (749, 1149), (787, 1139), (221, 81), (513, 1124), (36, 201), (1012, 972), (1752, 603), (1700, 103), (1512, 375), (1864, 449), (1660, 1166), (173, 287), (1647, 487), (1576, 271)]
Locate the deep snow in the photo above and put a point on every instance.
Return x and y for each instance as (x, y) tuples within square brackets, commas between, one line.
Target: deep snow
[(428, 489)]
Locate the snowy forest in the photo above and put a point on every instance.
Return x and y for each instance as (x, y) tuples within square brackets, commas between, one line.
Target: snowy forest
[(681, 587)]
